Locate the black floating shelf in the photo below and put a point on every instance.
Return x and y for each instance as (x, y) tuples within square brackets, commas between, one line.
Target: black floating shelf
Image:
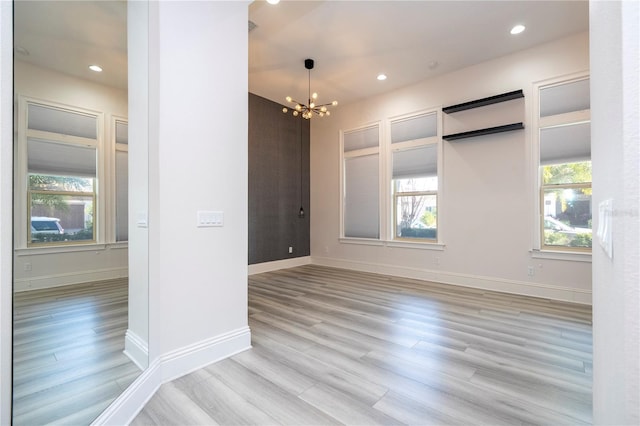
[(484, 102), (482, 132)]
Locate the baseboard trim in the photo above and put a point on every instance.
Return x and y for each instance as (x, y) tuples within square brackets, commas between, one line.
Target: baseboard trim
[(58, 280), (546, 291), (170, 366), (136, 349), (259, 268), (193, 357)]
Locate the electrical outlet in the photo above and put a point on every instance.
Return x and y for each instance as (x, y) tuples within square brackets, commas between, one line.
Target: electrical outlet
[(27, 267), (531, 271), (290, 249)]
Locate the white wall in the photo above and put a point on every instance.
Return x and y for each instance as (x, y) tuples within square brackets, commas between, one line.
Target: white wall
[(615, 100), (53, 266), (487, 206)]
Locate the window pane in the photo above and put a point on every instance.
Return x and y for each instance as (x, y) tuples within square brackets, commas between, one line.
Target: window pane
[(52, 158), (416, 184), (567, 217), (60, 183), (61, 121), (58, 217), (361, 199), (358, 139), (416, 216), (422, 161), (567, 173), (413, 128), (122, 194)]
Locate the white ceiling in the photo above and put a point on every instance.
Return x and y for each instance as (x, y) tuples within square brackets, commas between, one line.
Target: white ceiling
[(351, 41)]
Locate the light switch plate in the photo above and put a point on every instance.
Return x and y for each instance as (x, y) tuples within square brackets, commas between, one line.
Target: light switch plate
[(208, 218)]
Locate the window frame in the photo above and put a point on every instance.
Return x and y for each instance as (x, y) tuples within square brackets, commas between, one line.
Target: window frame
[(408, 145), (539, 124), (23, 191), (356, 153)]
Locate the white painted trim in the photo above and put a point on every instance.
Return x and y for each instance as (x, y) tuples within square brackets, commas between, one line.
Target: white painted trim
[(136, 349), (133, 399), (259, 268), (562, 255), (57, 280), (170, 366), (546, 291), (185, 360)]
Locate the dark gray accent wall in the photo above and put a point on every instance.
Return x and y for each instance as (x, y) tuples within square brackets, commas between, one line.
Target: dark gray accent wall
[(278, 182)]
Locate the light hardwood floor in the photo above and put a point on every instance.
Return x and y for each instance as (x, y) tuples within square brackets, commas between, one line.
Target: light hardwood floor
[(68, 364), (339, 347)]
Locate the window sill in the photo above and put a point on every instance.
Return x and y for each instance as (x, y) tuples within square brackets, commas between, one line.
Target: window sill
[(34, 251), (561, 255), (361, 241), (427, 245), (393, 244)]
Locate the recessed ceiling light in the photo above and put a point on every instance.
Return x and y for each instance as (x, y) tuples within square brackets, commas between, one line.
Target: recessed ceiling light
[(273, 1), (433, 65), (517, 29), (95, 68), (381, 77)]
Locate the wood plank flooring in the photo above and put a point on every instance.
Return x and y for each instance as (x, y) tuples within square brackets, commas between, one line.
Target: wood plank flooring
[(341, 347), (68, 364)]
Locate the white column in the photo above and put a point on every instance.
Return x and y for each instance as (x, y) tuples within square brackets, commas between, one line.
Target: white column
[(615, 112)]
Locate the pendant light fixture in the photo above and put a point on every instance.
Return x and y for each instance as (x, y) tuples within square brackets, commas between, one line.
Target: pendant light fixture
[(307, 110), (301, 211)]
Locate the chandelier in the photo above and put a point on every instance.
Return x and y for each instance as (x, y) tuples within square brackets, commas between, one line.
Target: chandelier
[(307, 110)]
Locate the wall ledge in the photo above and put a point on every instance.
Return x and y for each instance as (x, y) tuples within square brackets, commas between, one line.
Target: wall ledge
[(525, 288)]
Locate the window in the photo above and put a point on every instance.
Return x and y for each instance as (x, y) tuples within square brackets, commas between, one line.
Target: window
[(565, 166), (122, 179), (414, 179), (361, 168), (61, 175)]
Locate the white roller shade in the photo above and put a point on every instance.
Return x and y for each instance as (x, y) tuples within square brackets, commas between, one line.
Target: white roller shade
[(63, 160), (569, 97), (565, 144), (359, 139), (361, 202), (122, 196), (122, 132), (422, 161), (419, 127), (61, 121)]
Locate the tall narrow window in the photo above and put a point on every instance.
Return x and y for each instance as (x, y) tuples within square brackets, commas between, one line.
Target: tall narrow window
[(61, 176), (414, 149), (565, 166), (361, 217), (122, 180)]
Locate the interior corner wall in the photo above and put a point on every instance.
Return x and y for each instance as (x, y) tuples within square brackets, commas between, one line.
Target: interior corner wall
[(615, 94), (487, 206), (278, 182)]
